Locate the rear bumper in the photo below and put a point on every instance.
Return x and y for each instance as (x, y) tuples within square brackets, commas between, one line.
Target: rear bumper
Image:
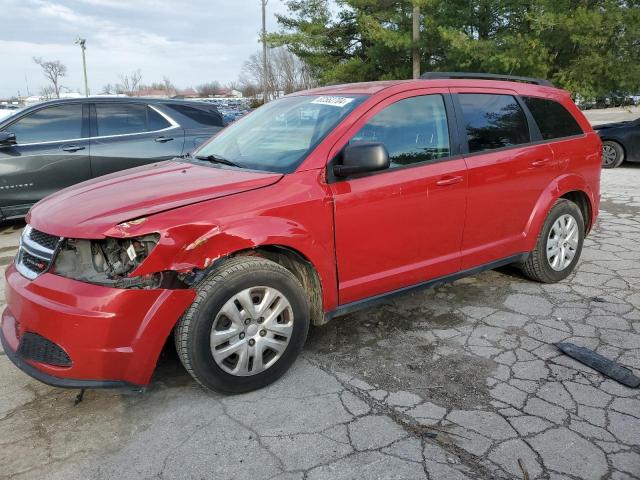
[(113, 337)]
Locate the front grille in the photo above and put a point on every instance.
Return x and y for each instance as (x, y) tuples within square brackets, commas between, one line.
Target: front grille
[(33, 263), (36, 253), (44, 239), (37, 348)]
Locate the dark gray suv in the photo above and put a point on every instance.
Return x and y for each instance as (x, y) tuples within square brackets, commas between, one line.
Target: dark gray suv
[(55, 144)]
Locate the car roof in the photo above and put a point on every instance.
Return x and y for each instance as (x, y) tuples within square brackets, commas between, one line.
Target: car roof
[(370, 88), (109, 99), (140, 100)]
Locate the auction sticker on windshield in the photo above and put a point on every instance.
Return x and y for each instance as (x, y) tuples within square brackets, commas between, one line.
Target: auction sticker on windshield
[(333, 101)]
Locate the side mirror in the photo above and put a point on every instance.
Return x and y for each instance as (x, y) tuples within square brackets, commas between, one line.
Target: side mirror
[(362, 158), (7, 139)]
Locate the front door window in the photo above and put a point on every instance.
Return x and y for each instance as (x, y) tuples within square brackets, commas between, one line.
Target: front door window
[(59, 122), (413, 130)]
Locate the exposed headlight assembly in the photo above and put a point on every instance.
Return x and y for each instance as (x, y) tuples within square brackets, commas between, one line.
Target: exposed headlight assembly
[(107, 262)]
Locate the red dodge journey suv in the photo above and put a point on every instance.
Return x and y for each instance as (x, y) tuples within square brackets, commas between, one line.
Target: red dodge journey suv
[(313, 206)]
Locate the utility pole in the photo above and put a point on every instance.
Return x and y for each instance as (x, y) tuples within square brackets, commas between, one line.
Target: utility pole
[(416, 39), (265, 72), (27, 84), (82, 42)]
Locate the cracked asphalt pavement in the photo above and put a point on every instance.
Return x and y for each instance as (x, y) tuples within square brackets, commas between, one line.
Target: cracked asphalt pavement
[(458, 382)]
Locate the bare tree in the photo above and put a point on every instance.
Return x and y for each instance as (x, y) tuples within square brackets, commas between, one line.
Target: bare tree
[(285, 72), (54, 70), (248, 87), (208, 89), (48, 93), (233, 85), (129, 84), (169, 87), (109, 89)]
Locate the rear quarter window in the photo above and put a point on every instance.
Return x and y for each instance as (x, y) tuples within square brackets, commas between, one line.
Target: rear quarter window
[(203, 115), (554, 121)]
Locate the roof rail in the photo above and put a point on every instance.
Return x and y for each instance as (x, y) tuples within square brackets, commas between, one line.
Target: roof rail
[(485, 76)]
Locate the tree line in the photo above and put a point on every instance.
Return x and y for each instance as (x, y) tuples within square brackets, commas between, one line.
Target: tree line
[(284, 73), (589, 47)]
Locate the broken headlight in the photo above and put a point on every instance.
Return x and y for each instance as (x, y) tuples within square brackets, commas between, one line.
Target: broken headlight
[(107, 262)]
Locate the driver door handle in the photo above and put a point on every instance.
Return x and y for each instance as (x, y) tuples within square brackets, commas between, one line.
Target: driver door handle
[(541, 163), (449, 180), (163, 139), (72, 148)]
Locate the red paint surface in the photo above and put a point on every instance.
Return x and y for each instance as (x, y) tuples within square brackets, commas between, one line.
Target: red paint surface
[(110, 334), (363, 236)]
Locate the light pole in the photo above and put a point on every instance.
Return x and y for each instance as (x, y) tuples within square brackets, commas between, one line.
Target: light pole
[(82, 42), (264, 52), (415, 40)]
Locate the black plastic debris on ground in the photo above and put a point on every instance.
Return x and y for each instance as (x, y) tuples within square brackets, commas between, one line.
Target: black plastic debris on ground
[(602, 364)]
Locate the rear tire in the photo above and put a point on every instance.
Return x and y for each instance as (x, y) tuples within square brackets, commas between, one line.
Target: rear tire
[(559, 244), (612, 154), (246, 326)]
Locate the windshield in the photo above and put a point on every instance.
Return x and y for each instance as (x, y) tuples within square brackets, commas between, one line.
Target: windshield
[(279, 135)]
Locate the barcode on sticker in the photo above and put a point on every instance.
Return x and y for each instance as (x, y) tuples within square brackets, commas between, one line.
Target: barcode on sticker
[(333, 101)]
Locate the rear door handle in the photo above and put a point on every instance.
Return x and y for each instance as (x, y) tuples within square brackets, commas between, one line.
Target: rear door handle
[(541, 163), (163, 139), (445, 181), (72, 148)]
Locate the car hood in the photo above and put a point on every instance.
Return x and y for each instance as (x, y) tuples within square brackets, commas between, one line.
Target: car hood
[(91, 208), (604, 126)]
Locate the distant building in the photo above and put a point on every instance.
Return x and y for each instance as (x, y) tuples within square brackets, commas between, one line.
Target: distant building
[(153, 93)]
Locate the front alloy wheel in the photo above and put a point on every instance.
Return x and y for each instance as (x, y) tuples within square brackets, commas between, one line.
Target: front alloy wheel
[(246, 326)]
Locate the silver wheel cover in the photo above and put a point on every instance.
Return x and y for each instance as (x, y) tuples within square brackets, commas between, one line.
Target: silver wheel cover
[(562, 242), (251, 331)]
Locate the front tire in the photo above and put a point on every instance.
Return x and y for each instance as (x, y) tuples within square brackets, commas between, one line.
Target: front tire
[(246, 326), (559, 244), (612, 154)]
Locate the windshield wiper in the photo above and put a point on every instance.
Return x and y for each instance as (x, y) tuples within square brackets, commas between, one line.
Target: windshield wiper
[(217, 159)]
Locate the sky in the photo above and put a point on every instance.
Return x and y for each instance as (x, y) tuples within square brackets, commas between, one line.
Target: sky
[(190, 42)]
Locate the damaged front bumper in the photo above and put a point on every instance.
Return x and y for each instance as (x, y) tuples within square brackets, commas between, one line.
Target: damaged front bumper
[(111, 337)]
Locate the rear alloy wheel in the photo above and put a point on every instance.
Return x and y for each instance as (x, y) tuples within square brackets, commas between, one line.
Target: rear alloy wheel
[(562, 242), (246, 326), (559, 244), (612, 154)]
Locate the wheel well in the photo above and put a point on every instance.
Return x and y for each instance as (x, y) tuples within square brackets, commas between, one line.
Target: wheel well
[(582, 201), (302, 268)]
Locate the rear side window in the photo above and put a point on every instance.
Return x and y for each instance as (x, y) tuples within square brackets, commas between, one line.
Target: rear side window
[(205, 116), (493, 121), (155, 120), (120, 119), (61, 122), (413, 130), (554, 121)]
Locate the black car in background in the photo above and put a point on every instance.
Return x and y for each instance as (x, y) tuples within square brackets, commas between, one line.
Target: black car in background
[(620, 142), (54, 144)]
